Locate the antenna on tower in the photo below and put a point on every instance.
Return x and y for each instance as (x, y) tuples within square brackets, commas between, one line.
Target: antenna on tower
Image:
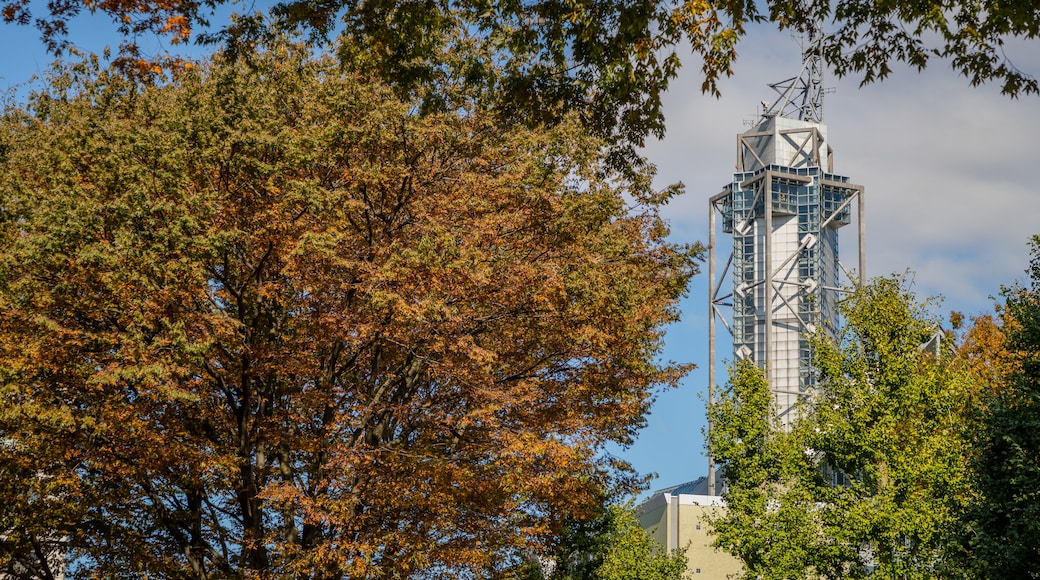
[(801, 97)]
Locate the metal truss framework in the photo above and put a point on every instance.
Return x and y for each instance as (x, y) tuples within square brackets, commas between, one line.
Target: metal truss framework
[(801, 97), (804, 145), (782, 211), (783, 220)]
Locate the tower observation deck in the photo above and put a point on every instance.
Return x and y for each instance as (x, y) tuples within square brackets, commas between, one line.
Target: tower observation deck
[(782, 212)]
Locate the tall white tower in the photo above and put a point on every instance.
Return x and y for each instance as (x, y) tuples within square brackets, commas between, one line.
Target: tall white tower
[(782, 211)]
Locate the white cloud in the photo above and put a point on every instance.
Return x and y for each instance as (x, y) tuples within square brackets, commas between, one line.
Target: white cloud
[(952, 193), (949, 169)]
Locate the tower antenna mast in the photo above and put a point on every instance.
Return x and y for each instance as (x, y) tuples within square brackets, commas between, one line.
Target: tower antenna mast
[(801, 97)]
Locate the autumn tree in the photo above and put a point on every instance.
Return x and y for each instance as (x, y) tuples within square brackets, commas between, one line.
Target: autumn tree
[(268, 320), (982, 346), (609, 61), (872, 477), (1001, 533)]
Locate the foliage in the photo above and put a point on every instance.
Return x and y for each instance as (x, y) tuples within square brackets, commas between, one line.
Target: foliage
[(267, 320), (632, 554), (1002, 527), (772, 486), (871, 476), (983, 348), (610, 61), (611, 546)]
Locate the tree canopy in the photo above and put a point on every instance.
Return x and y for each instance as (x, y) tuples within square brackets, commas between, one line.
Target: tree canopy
[(609, 61), (270, 320), (1001, 527), (609, 546), (872, 477)]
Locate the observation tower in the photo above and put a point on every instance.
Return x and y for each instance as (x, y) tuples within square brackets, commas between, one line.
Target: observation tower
[(781, 212)]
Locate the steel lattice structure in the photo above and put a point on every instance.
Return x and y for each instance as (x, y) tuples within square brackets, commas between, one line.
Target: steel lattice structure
[(801, 97), (782, 210)]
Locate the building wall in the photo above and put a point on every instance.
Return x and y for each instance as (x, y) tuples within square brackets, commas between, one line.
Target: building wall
[(804, 208), (677, 521), (784, 376)]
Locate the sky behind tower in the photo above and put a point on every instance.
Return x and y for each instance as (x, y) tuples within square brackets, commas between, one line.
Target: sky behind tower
[(951, 195), (949, 171)]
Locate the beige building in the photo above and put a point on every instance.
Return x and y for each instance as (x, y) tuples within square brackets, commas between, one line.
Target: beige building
[(676, 517)]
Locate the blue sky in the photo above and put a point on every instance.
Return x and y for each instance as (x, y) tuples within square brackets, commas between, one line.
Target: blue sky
[(951, 194), (952, 191)]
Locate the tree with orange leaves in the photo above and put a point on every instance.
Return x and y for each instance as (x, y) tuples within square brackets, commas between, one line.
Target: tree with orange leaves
[(983, 347), (268, 320), (1001, 528), (607, 61)]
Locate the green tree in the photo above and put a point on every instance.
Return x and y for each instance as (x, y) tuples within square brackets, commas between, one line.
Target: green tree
[(632, 554), (268, 320), (610, 546), (773, 488), (871, 478), (1002, 527)]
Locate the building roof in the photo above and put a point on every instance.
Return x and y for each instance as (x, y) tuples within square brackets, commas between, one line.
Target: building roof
[(698, 486)]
